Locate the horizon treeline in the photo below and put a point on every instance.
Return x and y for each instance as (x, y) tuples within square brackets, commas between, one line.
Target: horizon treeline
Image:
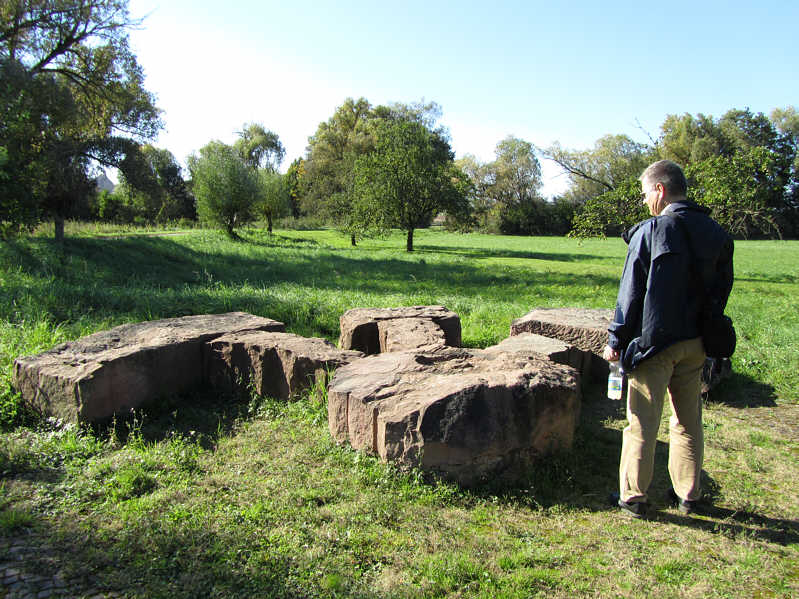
[(73, 102)]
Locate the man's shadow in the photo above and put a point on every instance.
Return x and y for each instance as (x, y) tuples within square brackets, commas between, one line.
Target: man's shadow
[(584, 477)]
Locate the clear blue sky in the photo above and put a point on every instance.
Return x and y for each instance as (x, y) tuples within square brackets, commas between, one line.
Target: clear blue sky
[(542, 71)]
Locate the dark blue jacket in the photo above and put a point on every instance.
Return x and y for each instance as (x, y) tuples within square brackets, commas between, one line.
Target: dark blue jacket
[(673, 269)]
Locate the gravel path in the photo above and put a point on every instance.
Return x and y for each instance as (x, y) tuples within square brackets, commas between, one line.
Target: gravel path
[(30, 570)]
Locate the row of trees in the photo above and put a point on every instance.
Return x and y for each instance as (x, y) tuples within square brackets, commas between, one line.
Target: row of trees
[(235, 184), (72, 101), (743, 166), (368, 170)]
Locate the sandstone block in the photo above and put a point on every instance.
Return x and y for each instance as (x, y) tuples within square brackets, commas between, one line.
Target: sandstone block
[(398, 334), (465, 414), (277, 365), (559, 352), (361, 330), (112, 371), (586, 329)]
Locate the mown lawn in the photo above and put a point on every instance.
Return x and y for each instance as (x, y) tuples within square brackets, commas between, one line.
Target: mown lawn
[(205, 496)]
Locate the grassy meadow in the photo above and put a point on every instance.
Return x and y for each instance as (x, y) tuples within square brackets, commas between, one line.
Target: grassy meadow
[(207, 496)]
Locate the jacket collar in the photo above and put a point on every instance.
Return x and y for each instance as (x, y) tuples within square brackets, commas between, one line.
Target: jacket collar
[(680, 208)]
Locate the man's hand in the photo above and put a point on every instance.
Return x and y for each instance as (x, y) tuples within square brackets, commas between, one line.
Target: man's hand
[(610, 354)]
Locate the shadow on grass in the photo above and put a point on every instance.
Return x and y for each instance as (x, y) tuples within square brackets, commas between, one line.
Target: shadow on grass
[(583, 478), (277, 241), (203, 415), (468, 252), (742, 391), (149, 278), (162, 559), (784, 279), (738, 522)]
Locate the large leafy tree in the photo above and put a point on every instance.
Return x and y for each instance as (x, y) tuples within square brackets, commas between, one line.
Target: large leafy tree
[(481, 201), (407, 179), (613, 160), (273, 198), (259, 147), (740, 191), (328, 169), (75, 51), (226, 188), (295, 182), (515, 186), (742, 166), (516, 172), (154, 188)]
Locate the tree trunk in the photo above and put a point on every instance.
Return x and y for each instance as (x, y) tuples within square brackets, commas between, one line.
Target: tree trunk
[(352, 240), (269, 224), (58, 222), (409, 242)]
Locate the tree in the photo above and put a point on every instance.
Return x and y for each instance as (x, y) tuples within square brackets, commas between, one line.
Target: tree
[(786, 121), (407, 179), (740, 191), (260, 148), (226, 189), (155, 188), (77, 52), (612, 212), (516, 172), (295, 181), (273, 199), (481, 202), (25, 105), (685, 139), (515, 177), (612, 161), (332, 152)]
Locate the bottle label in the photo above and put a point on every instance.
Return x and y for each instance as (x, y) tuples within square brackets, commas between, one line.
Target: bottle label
[(614, 387)]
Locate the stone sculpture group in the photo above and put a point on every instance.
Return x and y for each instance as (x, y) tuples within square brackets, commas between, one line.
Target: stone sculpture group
[(402, 388)]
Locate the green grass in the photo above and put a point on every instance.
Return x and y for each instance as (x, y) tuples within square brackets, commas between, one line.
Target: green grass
[(197, 497)]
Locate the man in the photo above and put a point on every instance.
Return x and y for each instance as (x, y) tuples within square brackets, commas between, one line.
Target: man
[(678, 263)]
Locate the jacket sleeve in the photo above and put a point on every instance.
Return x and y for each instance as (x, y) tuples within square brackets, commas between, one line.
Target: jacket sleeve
[(720, 291), (626, 323)]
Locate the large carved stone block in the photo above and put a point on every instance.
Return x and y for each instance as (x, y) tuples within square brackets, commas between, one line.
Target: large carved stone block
[(399, 334), (277, 365), (376, 330), (112, 371), (559, 352), (586, 329), (465, 414)]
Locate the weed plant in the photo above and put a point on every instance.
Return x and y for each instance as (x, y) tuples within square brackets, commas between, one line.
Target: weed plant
[(208, 496)]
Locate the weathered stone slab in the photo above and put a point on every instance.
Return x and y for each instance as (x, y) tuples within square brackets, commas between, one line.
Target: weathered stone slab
[(360, 328), (555, 350), (464, 413), (399, 334), (277, 365), (113, 371), (586, 329)]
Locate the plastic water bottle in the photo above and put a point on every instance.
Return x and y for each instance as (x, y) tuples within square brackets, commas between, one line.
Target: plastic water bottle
[(615, 379)]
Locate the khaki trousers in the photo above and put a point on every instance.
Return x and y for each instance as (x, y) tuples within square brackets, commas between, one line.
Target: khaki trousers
[(678, 371)]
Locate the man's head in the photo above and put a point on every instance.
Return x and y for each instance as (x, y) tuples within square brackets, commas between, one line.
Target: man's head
[(662, 183)]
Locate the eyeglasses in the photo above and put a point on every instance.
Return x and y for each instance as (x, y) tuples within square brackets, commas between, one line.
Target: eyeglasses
[(643, 195)]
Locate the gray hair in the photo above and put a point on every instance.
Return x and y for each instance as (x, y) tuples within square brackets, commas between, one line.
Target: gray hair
[(667, 173)]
